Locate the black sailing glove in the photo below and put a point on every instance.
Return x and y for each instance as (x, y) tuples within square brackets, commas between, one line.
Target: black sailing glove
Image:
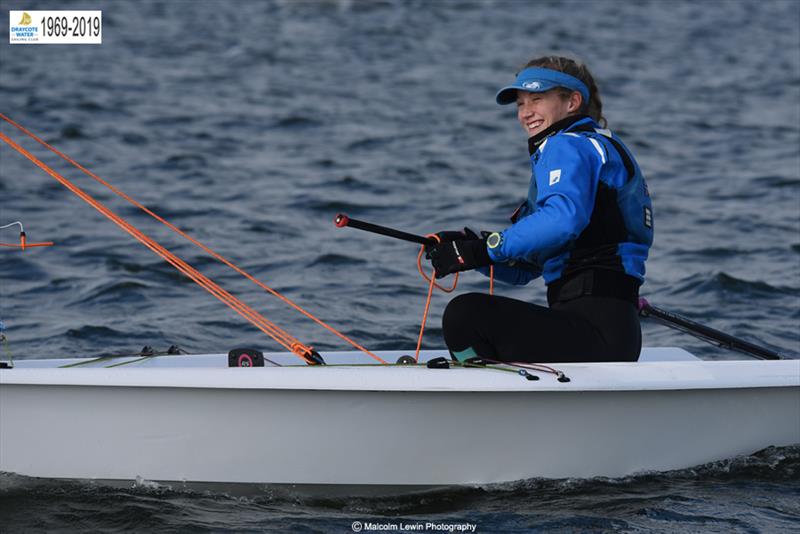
[(448, 236), (458, 255), (454, 235)]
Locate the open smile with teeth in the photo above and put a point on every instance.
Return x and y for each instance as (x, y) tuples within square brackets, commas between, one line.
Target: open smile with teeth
[(532, 125)]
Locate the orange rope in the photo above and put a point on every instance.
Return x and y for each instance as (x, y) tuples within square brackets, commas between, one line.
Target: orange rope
[(23, 238), (23, 241), (432, 284), (281, 336), (269, 328), (208, 250), (432, 278), (424, 318), (27, 245)]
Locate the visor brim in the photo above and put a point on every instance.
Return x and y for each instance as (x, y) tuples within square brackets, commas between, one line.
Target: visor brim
[(508, 94)]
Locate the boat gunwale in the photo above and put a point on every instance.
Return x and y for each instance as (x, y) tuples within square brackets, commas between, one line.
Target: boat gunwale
[(610, 376)]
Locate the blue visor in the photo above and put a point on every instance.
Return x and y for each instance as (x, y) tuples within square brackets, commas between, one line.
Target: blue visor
[(539, 80)]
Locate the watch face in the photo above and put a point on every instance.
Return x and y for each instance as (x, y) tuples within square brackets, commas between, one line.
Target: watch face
[(493, 240)]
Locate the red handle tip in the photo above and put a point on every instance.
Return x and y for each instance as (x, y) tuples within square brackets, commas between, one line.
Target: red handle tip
[(341, 220)]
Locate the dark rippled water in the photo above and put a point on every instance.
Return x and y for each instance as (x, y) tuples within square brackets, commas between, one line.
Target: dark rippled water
[(754, 494), (251, 124)]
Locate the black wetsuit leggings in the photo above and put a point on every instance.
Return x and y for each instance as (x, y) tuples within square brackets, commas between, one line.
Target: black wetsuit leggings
[(584, 329)]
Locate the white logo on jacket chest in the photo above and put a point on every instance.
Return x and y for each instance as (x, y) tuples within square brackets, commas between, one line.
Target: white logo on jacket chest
[(555, 176)]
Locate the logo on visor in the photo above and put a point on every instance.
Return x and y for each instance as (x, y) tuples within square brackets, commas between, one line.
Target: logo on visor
[(532, 85)]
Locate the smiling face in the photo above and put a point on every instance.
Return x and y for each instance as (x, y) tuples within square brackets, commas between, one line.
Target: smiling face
[(538, 111)]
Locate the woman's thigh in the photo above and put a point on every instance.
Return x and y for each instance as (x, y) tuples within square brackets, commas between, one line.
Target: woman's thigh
[(513, 330)]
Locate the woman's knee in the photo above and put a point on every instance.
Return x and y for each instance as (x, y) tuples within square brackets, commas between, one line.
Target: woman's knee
[(459, 319), (461, 310)]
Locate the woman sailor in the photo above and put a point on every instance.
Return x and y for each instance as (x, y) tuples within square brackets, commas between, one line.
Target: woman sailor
[(586, 227)]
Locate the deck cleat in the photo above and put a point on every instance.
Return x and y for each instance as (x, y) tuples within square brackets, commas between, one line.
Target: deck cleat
[(438, 363), (527, 375), (314, 358)]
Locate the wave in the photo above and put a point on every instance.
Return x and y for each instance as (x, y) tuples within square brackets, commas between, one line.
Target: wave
[(125, 291), (296, 122), (333, 207), (348, 184), (772, 465), (719, 252), (72, 131), (777, 181), (337, 260), (94, 333), (183, 162), (722, 282)]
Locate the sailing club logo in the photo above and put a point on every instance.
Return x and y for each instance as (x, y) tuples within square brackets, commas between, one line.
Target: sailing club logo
[(55, 27), (24, 30)]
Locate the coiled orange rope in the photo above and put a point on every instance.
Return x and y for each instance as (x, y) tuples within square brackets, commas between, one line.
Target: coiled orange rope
[(431, 284)]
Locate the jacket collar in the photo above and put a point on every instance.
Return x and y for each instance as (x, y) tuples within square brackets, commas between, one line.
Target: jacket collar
[(564, 124)]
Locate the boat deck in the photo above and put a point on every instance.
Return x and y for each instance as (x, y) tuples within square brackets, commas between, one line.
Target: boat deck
[(661, 368)]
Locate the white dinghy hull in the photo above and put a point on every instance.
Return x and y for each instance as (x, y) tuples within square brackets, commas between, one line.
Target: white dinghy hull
[(191, 419)]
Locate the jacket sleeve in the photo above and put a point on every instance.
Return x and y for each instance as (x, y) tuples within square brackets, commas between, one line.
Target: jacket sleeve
[(566, 174), (510, 275)]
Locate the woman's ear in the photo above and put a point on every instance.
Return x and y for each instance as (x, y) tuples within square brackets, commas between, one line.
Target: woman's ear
[(575, 102)]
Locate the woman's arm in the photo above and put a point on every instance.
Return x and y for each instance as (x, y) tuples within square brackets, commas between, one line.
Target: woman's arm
[(566, 175)]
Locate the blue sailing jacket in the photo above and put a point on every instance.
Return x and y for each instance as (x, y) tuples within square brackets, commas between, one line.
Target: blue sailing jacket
[(588, 206)]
